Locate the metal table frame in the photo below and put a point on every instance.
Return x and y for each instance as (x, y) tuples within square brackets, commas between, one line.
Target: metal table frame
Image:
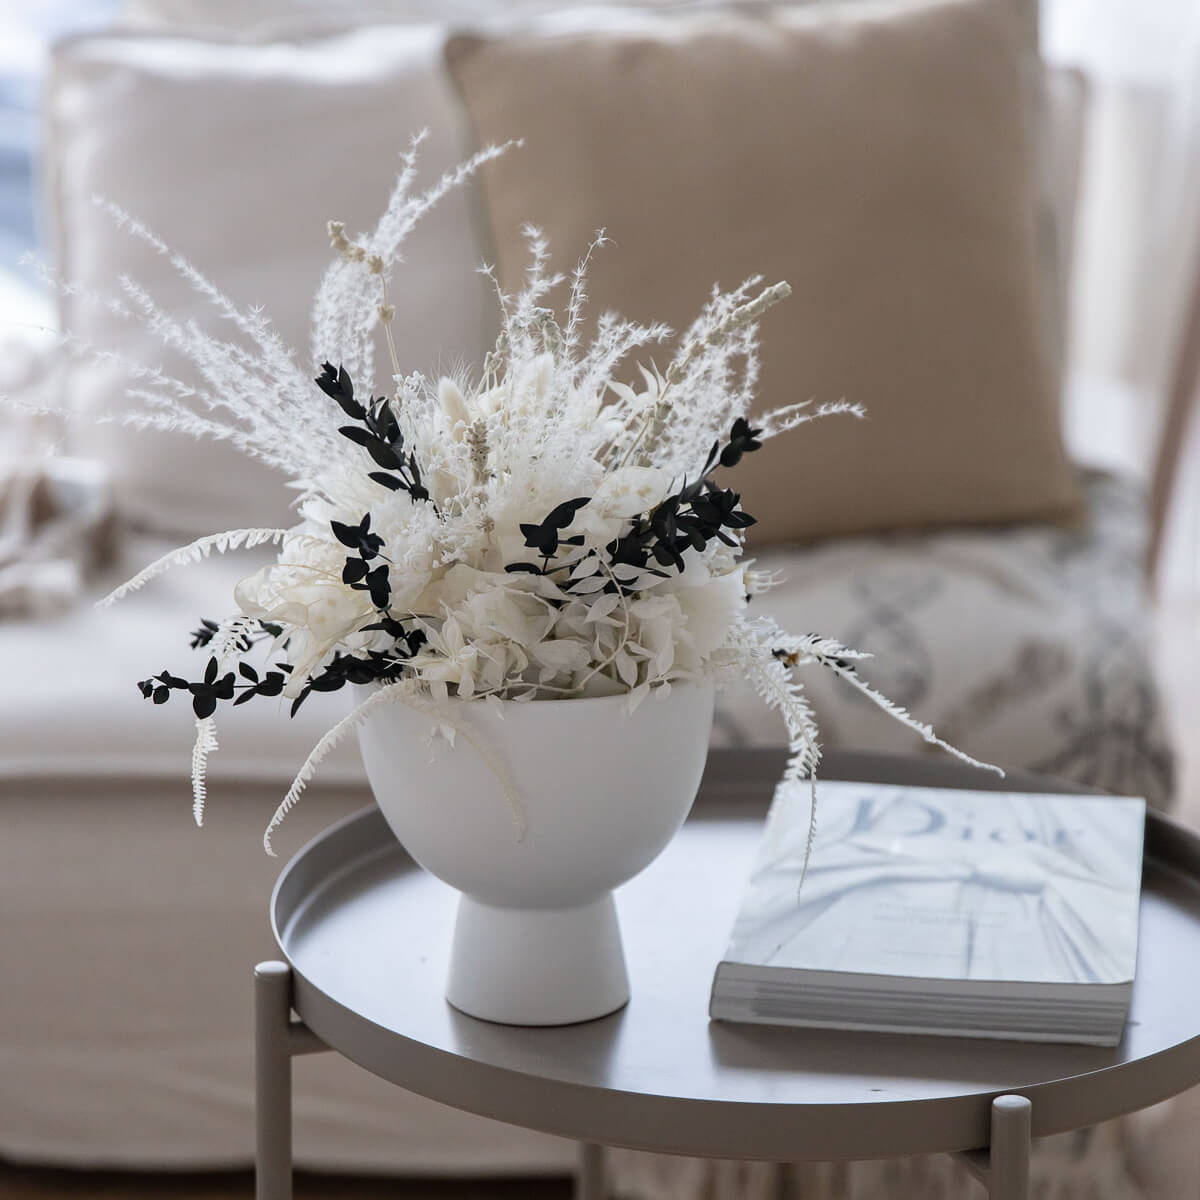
[(1003, 1166)]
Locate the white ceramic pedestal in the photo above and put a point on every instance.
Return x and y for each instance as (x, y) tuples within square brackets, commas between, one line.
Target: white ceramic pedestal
[(537, 966), (599, 792)]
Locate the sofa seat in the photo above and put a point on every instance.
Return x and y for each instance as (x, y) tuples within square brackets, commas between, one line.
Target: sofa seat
[(78, 712), (125, 1018)]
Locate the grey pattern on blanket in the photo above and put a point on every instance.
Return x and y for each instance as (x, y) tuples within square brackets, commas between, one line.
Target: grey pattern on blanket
[(1025, 646)]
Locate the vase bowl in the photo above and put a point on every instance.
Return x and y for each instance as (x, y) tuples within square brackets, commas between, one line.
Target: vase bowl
[(595, 794)]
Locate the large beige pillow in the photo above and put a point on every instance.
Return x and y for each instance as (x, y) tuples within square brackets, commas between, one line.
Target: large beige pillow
[(879, 157), (237, 152)]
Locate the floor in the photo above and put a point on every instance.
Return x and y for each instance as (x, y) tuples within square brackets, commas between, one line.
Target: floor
[(17, 1183)]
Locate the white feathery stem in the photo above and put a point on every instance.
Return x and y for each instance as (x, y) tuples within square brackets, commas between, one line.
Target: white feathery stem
[(193, 552), (742, 316), (252, 323), (902, 715), (578, 297), (206, 744), (792, 416)]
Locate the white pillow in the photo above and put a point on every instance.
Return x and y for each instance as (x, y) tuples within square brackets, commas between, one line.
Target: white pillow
[(237, 154)]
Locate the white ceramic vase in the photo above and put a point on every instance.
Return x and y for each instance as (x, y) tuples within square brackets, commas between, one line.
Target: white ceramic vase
[(600, 793)]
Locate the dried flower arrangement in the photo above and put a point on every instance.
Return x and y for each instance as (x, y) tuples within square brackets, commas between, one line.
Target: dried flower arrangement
[(540, 529)]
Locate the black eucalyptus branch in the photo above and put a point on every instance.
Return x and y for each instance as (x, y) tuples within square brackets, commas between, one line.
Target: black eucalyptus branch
[(377, 432), (691, 517)]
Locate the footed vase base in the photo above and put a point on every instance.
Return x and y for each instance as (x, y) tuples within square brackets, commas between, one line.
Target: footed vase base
[(529, 966)]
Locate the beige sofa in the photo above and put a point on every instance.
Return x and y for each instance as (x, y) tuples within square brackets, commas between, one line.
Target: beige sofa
[(129, 935)]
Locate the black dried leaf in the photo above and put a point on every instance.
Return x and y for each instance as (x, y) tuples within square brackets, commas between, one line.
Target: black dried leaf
[(271, 685), (743, 438), (542, 538), (390, 481), (336, 384), (384, 455), (346, 534), (387, 426), (379, 587), (354, 570), (326, 682), (205, 634), (667, 555), (561, 515)]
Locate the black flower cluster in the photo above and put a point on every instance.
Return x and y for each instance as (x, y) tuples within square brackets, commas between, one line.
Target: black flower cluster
[(693, 516)]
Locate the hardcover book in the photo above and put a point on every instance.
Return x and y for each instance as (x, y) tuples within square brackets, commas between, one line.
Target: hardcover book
[(941, 911)]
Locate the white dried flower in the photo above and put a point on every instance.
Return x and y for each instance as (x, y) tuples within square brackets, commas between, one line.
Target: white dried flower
[(559, 525)]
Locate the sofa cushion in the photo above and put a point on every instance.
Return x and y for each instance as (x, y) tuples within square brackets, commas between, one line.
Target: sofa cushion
[(237, 154), (881, 158)]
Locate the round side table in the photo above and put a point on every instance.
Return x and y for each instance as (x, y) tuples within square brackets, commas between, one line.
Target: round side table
[(365, 934)]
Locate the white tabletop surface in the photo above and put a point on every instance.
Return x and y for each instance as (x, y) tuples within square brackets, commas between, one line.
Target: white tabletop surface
[(368, 935)]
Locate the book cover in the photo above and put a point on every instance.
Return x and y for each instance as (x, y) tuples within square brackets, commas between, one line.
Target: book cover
[(944, 886)]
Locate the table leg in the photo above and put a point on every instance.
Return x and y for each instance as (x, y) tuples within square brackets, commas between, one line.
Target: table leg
[(1008, 1165), (272, 1081), (590, 1181)]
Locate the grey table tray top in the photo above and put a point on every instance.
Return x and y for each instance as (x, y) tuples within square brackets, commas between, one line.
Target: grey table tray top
[(366, 933)]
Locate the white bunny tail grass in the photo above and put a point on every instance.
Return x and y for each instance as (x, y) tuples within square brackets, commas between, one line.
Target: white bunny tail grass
[(206, 744), (194, 552)]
